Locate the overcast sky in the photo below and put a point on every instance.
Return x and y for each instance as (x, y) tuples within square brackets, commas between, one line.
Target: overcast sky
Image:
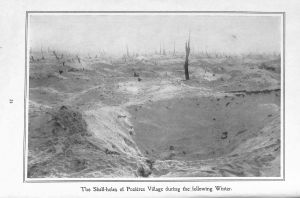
[(145, 33)]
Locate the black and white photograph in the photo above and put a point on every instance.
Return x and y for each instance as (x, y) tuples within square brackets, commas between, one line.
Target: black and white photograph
[(149, 98), (173, 95)]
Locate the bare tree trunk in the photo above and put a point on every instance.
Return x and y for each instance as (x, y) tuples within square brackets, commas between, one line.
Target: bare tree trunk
[(127, 51), (31, 59), (160, 48), (78, 59), (186, 64), (42, 53), (164, 50), (55, 55), (174, 51)]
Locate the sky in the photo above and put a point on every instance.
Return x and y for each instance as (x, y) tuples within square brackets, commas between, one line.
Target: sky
[(144, 33)]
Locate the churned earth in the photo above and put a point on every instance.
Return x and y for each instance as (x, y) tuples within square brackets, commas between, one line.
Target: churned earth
[(136, 116)]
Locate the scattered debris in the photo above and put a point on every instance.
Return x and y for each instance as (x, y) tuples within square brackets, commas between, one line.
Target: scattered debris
[(240, 132), (150, 163), (224, 135), (144, 172), (66, 136), (109, 152)]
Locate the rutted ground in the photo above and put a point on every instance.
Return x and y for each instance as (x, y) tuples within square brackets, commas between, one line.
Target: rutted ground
[(101, 118)]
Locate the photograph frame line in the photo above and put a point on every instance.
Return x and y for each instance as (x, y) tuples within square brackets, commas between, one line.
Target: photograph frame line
[(202, 179)]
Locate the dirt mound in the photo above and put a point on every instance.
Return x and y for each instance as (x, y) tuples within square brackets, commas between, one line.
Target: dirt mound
[(60, 130), (69, 122), (60, 145), (63, 121)]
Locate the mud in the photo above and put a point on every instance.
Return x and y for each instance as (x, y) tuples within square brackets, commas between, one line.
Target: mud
[(103, 117)]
